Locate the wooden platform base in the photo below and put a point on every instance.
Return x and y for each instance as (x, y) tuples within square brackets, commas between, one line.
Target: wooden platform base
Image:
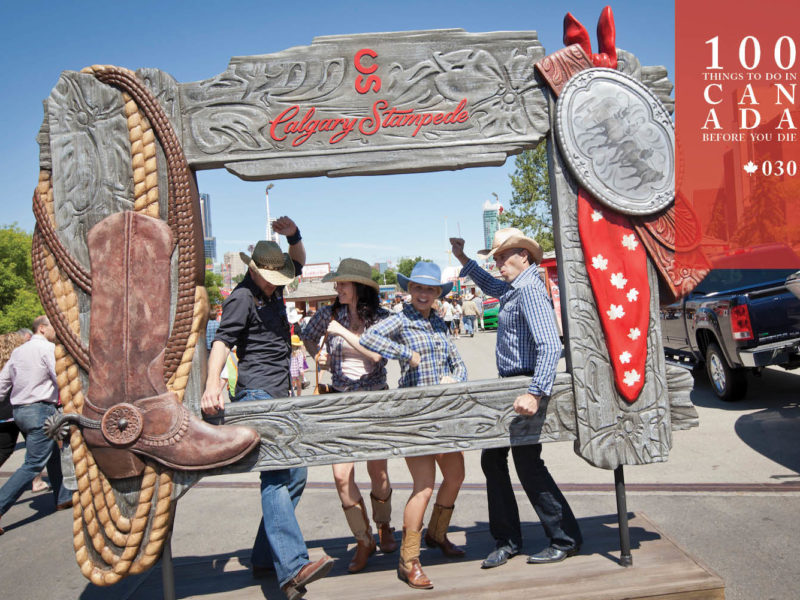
[(661, 570)]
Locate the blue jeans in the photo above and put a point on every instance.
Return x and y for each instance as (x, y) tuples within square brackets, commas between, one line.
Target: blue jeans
[(279, 540), (40, 452), (469, 324), (549, 503)]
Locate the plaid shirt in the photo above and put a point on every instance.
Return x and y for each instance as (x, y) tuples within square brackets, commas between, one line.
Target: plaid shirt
[(316, 328), (527, 336), (408, 331)]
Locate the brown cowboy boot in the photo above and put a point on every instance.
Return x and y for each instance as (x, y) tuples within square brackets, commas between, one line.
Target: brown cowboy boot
[(129, 328), (409, 569), (359, 525), (436, 535), (382, 513)]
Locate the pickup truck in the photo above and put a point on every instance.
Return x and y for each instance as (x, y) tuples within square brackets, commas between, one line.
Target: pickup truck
[(735, 321)]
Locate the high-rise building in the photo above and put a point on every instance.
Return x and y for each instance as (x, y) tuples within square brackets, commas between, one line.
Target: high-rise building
[(232, 266), (209, 241), (491, 213)]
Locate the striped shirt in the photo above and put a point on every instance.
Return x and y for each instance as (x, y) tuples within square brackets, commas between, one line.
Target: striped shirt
[(404, 333), (316, 328), (527, 336)]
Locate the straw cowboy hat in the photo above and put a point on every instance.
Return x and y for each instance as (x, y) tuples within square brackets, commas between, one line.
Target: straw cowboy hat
[(271, 263), (296, 340), (355, 270), (511, 237), (426, 273)]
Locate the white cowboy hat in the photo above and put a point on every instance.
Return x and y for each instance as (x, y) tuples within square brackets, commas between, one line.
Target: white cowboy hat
[(294, 315), (511, 237), (271, 263)]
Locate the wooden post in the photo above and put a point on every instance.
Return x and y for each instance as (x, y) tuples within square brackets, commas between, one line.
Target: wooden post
[(168, 570), (625, 557)]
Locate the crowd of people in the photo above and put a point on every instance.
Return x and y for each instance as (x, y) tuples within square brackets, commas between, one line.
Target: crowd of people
[(353, 339), (258, 351)]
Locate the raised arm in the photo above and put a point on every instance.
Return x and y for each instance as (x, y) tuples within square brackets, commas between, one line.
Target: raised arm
[(490, 285), (285, 226)]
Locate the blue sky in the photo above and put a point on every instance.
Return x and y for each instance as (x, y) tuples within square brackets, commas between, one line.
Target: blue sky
[(374, 218)]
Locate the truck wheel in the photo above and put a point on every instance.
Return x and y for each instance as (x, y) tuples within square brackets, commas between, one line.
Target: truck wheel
[(729, 384)]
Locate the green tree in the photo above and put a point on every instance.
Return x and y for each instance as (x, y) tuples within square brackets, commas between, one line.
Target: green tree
[(530, 208), (388, 277), (238, 279), (213, 282), (407, 264), (19, 303)]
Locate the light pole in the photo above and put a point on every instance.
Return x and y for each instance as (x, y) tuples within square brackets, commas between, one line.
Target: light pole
[(269, 223)]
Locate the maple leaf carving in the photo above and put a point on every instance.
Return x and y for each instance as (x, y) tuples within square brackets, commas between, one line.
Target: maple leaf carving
[(615, 312), (632, 377), (750, 167), (618, 281), (629, 242), (598, 262)]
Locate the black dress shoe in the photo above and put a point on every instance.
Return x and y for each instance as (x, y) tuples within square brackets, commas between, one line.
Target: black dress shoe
[(499, 556), (551, 554)]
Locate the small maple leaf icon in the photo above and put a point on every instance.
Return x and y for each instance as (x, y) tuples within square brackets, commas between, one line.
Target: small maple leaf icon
[(750, 167)]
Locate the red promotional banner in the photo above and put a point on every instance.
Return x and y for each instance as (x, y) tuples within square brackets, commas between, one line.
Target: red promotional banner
[(738, 144)]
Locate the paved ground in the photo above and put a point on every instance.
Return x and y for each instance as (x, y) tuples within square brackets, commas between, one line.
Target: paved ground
[(730, 495)]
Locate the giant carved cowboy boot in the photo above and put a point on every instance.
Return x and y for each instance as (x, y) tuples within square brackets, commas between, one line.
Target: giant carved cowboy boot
[(129, 328)]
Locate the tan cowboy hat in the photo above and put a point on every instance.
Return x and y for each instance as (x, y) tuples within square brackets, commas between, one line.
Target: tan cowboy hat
[(511, 237), (355, 270), (271, 263)]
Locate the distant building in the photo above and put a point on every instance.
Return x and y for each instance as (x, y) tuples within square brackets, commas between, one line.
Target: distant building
[(209, 241), (491, 214), (232, 267)]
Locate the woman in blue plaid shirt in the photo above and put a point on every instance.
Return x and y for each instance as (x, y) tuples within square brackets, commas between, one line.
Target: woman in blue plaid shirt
[(421, 341), (353, 367)]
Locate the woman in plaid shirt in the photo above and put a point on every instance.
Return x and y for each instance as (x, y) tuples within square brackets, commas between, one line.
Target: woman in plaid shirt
[(421, 341), (353, 368)]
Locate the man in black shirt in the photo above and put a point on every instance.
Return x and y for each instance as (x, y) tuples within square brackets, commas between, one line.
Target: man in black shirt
[(254, 320)]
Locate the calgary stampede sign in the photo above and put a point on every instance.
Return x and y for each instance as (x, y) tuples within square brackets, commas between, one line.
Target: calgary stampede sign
[(117, 193)]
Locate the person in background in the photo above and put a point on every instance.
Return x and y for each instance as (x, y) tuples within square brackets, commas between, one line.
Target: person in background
[(421, 341), (457, 312), (354, 368), (30, 377), (527, 343), (9, 432), (297, 365), (470, 314), (211, 327)]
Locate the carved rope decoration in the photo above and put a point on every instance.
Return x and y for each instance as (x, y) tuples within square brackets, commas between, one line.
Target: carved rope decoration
[(181, 216), (121, 545)]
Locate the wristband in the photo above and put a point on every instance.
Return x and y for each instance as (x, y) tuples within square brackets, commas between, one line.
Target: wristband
[(294, 238)]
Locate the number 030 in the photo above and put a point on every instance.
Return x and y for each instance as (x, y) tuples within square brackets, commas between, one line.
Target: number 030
[(778, 168)]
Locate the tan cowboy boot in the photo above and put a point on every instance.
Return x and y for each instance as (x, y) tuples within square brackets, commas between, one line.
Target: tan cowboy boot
[(382, 513), (359, 524), (409, 569), (129, 327), (436, 535)]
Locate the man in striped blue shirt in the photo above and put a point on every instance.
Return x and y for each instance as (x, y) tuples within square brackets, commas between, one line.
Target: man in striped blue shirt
[(527, 344)]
